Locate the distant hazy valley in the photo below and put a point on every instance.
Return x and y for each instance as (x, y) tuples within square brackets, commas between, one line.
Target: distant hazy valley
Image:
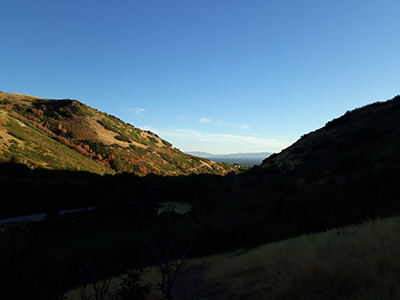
[(242, 159)]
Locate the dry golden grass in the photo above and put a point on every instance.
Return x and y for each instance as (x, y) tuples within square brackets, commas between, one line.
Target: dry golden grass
[(358, 262), (151, 275), (355, 262), (16, 97)]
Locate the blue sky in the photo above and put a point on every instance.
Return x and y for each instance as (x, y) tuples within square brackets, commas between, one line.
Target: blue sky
[(221, 76)]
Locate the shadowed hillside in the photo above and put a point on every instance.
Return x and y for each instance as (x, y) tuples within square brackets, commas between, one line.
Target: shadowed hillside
[(366, 137), (342, 173), (37, 132)]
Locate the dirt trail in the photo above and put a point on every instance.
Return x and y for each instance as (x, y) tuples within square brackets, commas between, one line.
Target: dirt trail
[(190, 284)]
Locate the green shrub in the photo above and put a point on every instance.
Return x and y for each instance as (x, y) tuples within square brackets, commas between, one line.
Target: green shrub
[(152, 140), (69, 134), (107, 125), (123, 138), (131, 288), (166, 143), (139, 150)]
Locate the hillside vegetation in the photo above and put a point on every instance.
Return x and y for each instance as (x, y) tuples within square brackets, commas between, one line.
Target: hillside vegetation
[(342, 174), (37, 132), (366, 137)]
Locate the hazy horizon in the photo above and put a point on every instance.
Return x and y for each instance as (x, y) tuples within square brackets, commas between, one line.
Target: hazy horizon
[(232, 153), (213, 76)]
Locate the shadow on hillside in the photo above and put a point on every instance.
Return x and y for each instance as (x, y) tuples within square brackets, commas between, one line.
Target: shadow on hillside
[(263, 204), (234, 212), (39, 190)]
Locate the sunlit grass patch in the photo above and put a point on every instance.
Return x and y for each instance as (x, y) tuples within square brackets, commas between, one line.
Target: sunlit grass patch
[(356, 262)]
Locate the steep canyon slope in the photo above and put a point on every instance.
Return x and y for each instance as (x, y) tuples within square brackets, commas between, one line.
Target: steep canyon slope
[(67, 134)]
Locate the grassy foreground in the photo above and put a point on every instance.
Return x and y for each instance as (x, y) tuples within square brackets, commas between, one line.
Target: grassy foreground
[(357, 262), (353, 262)]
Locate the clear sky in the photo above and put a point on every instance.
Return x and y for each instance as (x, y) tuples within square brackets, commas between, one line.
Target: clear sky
[(221, 76)]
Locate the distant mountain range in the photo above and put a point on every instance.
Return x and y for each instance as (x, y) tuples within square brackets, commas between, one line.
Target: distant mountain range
[(244, 159)]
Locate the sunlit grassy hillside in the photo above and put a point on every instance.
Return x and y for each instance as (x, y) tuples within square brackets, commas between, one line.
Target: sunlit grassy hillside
[(355, 262), (109, 143), (22, 142)]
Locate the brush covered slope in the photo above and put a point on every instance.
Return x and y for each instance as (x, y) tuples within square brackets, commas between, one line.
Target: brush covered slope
[(67, 134), (363, 140)]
